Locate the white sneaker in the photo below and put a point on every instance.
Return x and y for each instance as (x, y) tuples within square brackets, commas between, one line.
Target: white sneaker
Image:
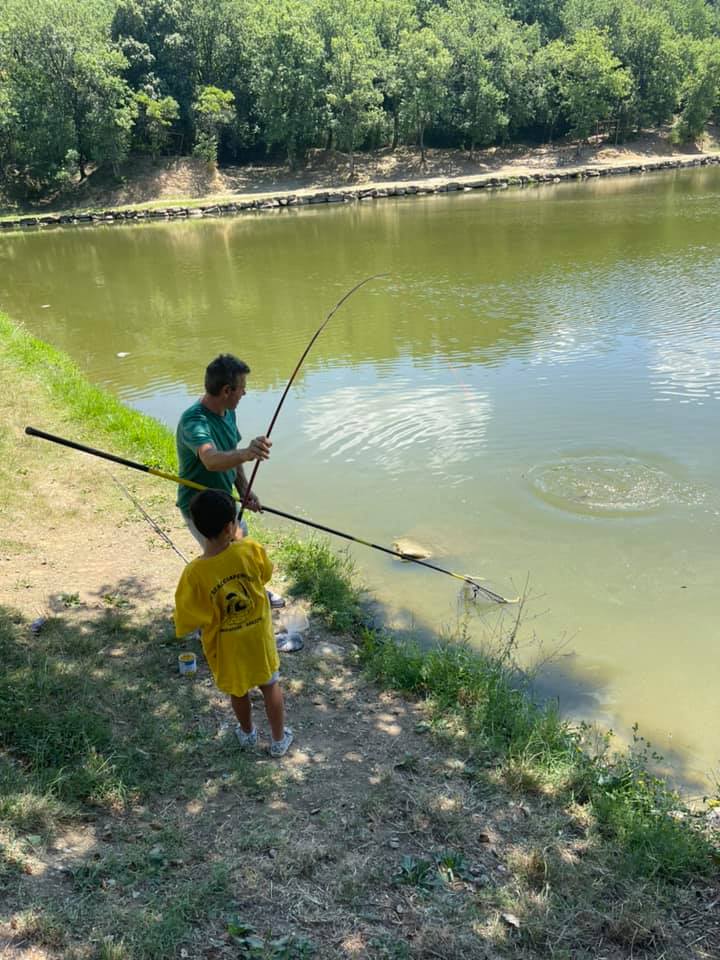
[(246, 740), (278, 748)]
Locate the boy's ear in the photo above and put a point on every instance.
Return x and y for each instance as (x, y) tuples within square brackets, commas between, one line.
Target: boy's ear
[(233, 530)]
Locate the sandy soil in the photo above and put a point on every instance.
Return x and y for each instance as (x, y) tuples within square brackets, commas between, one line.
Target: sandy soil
[(185, 178)]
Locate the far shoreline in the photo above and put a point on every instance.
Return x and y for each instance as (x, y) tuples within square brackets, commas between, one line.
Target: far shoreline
[(210, 193)]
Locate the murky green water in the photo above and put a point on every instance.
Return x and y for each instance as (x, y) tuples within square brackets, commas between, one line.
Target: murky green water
[(535, 391)]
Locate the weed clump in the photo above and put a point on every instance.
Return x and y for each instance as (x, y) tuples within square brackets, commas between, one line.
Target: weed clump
[(326, 578), (647, 827)]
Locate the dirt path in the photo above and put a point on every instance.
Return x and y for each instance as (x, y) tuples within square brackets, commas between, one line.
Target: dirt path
[(185, 179)]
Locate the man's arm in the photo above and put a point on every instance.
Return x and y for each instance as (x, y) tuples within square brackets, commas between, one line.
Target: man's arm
[(241, 486), (217, 461)]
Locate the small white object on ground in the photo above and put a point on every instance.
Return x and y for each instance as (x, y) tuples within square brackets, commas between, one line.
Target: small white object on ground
[(122, 354)]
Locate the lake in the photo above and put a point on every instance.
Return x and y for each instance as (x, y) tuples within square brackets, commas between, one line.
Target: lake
[(533, 392)]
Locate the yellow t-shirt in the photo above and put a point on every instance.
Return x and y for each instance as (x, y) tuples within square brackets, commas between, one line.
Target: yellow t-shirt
[(225, 597)]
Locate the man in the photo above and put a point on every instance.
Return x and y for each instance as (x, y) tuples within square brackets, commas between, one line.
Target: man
[(208, 440)]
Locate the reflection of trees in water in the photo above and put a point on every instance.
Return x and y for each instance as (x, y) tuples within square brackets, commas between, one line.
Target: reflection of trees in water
[(474, 279)]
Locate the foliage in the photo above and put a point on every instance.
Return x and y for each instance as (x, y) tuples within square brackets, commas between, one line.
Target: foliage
[(82, 82), (424, 69), (63, 89), (287, 77), (582, 83), (353, 98), (153, 123), (326, 578), (701, 91), (489, 78), (249, 944), (212, 110), (636, 813)]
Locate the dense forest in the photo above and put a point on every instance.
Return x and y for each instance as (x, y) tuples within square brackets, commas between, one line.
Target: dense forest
[(87, 83)]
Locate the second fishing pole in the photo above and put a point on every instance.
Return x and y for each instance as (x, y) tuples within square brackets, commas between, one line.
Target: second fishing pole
[(478, 588)]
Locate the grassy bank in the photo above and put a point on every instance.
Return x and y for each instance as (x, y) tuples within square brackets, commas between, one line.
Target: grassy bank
[(430, 808)]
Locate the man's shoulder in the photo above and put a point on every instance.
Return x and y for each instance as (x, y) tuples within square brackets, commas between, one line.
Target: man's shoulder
[(196, 411)]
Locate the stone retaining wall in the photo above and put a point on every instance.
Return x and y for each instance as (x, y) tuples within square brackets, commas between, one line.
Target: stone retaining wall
[(349, 195)]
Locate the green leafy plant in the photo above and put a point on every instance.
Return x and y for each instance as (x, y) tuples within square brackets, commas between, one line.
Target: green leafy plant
[(250, 945), (416, 872), (452, 866)]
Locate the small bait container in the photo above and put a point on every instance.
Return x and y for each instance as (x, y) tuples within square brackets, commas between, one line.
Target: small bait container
[(187, 663)]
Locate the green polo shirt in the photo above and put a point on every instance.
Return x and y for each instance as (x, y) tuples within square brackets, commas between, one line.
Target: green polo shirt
[(199, 426)]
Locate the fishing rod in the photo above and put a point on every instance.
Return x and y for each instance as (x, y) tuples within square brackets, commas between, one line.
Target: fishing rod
[(164, 475), (285, 392)]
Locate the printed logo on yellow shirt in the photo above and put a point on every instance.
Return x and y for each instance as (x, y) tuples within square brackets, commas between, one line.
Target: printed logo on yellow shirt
[(236, 602), (237, 605)]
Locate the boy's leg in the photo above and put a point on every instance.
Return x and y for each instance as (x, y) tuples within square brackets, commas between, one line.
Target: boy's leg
[(275, 709), (243, 711)]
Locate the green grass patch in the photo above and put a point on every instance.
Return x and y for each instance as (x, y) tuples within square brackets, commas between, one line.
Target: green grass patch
[(648, 830), (326, 578), (79, 727), (93, 411)]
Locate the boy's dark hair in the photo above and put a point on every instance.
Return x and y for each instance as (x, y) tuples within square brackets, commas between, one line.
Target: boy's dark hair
[(223, 371), (211, 511)]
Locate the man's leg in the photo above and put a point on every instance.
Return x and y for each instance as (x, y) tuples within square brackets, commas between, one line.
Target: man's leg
[(194, 530), (243, 711)]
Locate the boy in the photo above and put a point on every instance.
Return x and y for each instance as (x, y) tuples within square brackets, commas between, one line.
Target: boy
[(223, 593)]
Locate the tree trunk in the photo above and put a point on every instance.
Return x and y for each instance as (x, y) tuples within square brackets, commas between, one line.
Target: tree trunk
[(396, 129), (422, 144)]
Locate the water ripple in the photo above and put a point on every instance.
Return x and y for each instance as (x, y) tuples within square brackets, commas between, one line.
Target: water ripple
[(687, 371), (439, 426), (609, 484)]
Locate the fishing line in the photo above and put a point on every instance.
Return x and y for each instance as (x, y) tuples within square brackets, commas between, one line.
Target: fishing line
[(156, 527), (285, 392)]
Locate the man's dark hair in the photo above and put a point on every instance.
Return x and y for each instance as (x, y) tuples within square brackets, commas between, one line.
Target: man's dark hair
[(211, 512), (223, 371)]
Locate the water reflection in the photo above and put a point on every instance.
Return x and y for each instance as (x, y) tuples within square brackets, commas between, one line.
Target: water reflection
[(436, 426)]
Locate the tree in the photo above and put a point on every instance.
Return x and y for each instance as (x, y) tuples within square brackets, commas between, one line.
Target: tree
[(424, 68), (287, 76), (488, 81), (149, 34), (213, 109), (701, 91), (593, 83), (352, 95), (154, 121), (65, 85), (548, 14), (581, 82), (391, 19), (643, 39)]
